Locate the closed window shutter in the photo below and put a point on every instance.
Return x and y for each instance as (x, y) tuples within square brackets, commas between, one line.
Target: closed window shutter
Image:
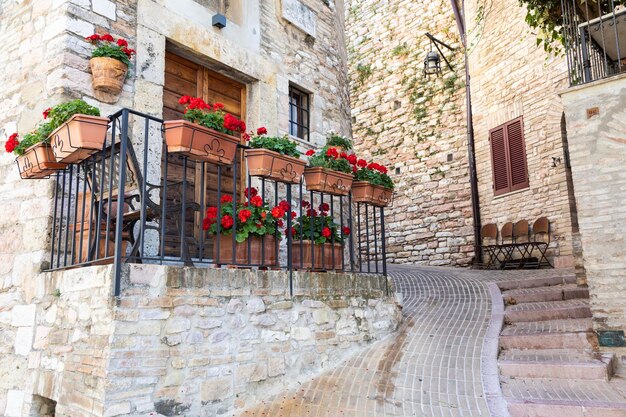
[(499, 162), (517, 155)]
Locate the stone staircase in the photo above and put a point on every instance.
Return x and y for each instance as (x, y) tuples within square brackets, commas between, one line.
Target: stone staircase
[(549, 361)]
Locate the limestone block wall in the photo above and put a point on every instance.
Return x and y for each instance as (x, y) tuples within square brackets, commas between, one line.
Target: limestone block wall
[(598, 152), (179, 341), (512, 77), (414, 124), (55, 343)]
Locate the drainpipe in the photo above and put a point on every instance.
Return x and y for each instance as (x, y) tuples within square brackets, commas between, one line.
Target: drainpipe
[(459, 15)]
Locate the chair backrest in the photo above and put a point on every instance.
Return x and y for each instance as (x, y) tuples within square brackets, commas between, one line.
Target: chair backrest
[(520, 231), (506, 233), (541, 226), (132, 179), (489, 232)]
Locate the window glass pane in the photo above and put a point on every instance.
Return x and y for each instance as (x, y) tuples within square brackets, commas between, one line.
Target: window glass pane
[(298, 113)]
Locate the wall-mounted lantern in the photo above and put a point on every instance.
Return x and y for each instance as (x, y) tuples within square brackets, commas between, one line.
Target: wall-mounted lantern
[(432, 63)]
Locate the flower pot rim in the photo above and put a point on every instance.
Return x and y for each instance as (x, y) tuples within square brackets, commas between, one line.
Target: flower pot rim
[(31, 147), (362, 183), (173, 124), (260, 151), (83, 117), (107, 58), (334, 171)]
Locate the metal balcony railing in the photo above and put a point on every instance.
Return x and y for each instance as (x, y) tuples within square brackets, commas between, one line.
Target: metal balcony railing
[(595, 39), (133, 202)]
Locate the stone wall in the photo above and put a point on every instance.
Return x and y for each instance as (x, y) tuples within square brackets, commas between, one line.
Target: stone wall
[(180, 341), (413, 124), (416, 123), (597, 149), (512, 77)]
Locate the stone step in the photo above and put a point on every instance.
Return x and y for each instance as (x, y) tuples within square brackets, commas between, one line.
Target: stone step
[(537, 282), (556, 363), (559, 408), (538, 294), (552, 310), (550, 334)]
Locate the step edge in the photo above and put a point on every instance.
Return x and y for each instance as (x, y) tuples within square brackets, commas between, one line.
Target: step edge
[(572, 403)]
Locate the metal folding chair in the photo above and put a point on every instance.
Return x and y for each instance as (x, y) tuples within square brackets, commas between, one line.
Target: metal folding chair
[(507, 245), (523, 246), (541, 230), (489, 245)]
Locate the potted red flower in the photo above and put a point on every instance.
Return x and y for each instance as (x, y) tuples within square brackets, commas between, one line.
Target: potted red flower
[(109, 62), (78, 131), (328, 171), (371, 183), (35, 158), (316, 242), (274, 157), (206, 133), (256, 226)]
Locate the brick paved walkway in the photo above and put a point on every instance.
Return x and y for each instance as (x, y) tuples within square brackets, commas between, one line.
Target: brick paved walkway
[(431, 368)]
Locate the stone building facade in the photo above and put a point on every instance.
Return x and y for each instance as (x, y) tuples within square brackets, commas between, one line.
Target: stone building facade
[(416, 123), (63, 330)]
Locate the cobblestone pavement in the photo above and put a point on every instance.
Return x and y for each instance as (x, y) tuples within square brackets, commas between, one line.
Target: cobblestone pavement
[(430, 368)]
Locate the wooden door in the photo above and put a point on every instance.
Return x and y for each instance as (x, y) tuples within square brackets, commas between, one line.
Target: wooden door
[(184, 77)]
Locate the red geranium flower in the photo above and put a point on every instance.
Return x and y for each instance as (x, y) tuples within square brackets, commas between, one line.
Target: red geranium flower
[(218, 106), (12, 142), (227, 221), (244, 215), (93, 38), (278, 212), (211, 212), (250, 192), (311, 213), (352, 159), (184, 99), (284, 205), (310, 152), (305, 204), (226, 199), (234, 124), (343, 155), (246, 137), (324, 207), (280, 223), (346, 230), (107, 37), (46, 112), (361, 163), (326, 232), (354, 169), (121, 42), (332, 152), (294, 214), (261, 131), (256, 201)]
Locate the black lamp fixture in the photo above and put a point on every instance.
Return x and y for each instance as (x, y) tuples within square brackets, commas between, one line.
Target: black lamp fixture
[(432, 63)]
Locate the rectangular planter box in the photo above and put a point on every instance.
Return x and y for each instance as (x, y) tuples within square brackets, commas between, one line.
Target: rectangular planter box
[(327, 181), (38, 161), (304, 255), (200, 143), (364, 192), (79, 138), (262, 251), (274, 166)]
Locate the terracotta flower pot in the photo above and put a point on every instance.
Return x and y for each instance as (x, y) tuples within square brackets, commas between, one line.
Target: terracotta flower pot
[(79, 138), (377, 195), (38, 162), (274, 166), (108, 74), (301, 255), (262, 251), (200, 143), (327, 180), (382, 196)]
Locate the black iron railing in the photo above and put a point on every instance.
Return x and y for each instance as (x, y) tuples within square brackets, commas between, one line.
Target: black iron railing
[(595, 39), (133, 202)]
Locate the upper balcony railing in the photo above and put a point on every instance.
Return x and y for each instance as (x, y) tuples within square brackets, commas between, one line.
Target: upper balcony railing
[(595, 39), (136, 202)]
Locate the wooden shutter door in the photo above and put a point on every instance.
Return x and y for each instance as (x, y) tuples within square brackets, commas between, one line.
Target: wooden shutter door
[(517, 155), (184, 77), (499, 161)]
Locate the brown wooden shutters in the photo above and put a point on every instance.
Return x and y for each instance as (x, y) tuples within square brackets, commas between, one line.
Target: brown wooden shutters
[(508, 157)]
